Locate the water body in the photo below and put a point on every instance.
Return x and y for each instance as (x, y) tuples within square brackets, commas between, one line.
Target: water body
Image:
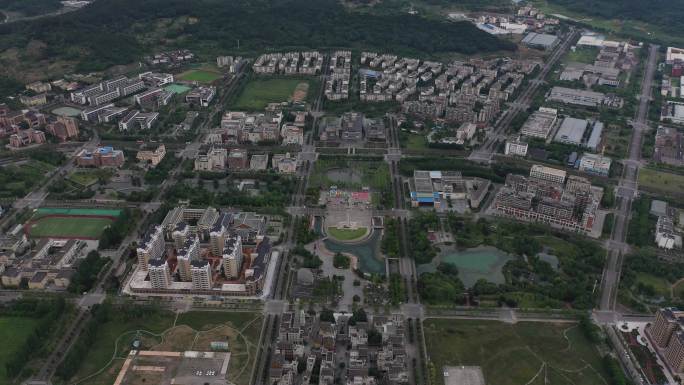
[(473, 264), (344, 175), (368, 252)]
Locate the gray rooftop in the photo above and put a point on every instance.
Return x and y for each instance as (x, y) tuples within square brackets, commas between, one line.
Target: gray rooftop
[(571, 131)]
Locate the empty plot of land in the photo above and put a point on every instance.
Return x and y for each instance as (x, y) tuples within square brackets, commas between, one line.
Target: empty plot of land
[(660, 181), (523, 353), (300, 92)]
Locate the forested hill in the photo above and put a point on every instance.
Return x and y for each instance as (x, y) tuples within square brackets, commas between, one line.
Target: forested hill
[(112, 32), (666, 14)]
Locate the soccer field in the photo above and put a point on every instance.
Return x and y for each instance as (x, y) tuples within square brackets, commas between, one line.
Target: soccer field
[(68, 227), (259, 93), (515, 354), (200, 76)]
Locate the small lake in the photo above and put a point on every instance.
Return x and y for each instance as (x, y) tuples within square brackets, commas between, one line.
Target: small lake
[(473, 264), (344, 175), (368, 253)]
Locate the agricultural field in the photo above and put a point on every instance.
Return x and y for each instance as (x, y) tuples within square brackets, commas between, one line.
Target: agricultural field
[(163, 331), (258, 93), (14, 331), (513, 354), (200, 75), (663, 182)]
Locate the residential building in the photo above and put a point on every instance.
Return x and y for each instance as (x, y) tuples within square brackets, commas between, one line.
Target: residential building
[(151, 247), (201, 273), (33, 100), (665, 235), (160, 273), (284, 163), (185, 255), (218, 234), (669, 146), (258, 162), (39, 87), (232, 257)]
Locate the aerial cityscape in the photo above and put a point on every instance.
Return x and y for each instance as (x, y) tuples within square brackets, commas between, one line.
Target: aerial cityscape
[(341, 192)]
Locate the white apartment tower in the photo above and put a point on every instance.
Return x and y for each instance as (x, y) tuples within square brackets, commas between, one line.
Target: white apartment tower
[(232, 257), (160, 274), (185, 255), (201, 275), (151, 247)]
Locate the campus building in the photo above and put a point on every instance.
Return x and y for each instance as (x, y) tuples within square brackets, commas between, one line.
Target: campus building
[(100, 157), (437, 188)]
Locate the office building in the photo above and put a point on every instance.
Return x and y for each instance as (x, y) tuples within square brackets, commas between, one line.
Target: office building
[(595, 164)]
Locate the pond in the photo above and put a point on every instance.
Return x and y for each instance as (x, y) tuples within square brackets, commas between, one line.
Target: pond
[(344, 176), (473, 264), (368, 253)]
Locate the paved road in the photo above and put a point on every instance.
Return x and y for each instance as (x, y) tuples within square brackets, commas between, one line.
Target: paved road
[(522, 103), (628, 189)]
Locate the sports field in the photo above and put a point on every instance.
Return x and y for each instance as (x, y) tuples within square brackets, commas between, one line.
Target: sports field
[(14, 331), (257, 94), (199, 75), (523, 353), (70, 223)]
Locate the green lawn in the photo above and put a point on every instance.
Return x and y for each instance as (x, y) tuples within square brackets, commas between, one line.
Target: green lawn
[(585, 55), (415, 142), (201, 76), (14, 331), (101, 351), (87, 178), (679, 290), (88, 227), (258, 93), (661, 181), (513, 354), (346, 234), (661, 286)]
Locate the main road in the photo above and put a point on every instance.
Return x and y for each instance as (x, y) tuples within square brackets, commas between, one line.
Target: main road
[(627, 190)]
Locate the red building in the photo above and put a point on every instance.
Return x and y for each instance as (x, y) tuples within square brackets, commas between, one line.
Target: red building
[(100, 157), (64, 128)]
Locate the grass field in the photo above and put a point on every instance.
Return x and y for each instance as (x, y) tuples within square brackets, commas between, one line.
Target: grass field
[(678, 290), (415, 142), (661, 285), (514, 354), (581, 55), (346, 234), (258, 93), (661, 181), (199, 75), (87, 178), (192, 331), (87, 227), (14, 331)]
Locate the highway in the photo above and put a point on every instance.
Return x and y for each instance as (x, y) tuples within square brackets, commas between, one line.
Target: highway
[(627, 191)]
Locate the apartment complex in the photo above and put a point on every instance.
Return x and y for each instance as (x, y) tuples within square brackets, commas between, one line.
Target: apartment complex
[(289, 63), (667, 334), (545, 196)]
